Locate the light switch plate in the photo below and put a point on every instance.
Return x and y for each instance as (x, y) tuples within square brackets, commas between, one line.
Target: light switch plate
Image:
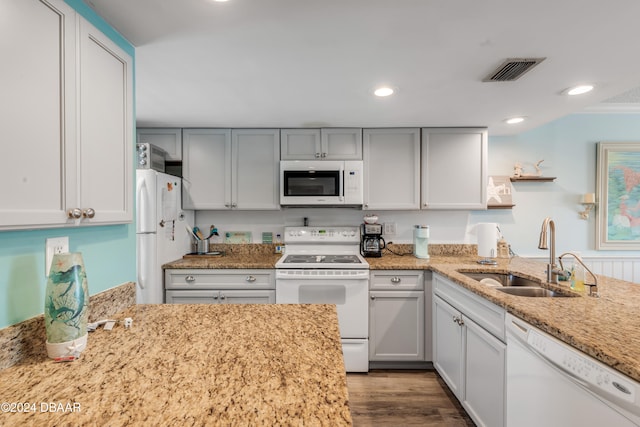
[(389, 228), (54, 245)]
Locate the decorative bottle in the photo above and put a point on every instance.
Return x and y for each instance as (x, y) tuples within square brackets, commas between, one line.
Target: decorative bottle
[(66, 306)]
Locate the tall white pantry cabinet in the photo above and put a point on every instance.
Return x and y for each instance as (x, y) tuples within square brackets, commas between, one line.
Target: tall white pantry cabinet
[(68, 120)]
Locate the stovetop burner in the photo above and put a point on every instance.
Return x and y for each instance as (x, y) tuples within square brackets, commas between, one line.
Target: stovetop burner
[(321, 259)]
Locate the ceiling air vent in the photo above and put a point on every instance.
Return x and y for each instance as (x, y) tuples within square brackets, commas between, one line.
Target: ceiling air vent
[(512, 69)]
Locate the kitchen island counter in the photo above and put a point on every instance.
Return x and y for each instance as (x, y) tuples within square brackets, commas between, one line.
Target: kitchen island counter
[(192, 365)]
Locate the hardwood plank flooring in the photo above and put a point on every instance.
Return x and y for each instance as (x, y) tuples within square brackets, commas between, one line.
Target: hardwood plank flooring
[(403, 398)]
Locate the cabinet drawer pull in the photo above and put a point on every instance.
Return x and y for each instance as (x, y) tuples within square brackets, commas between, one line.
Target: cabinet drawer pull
[(250, 279), (373, 297), (395, 280), (189, 279), (317, 155), (222, 296)]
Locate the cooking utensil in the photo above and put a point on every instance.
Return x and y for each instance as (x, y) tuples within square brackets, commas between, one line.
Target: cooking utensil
[(198, 233), (190, 230)]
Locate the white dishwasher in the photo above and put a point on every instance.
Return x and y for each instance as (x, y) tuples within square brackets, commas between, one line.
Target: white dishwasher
[(549, 383)]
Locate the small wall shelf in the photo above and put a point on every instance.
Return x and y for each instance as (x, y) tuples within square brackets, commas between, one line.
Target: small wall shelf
[(533, 178), (500, 206)]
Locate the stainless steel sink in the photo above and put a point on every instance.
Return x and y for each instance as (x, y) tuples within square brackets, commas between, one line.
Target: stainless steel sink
[(532, 292), (515, 285), (504, 279)]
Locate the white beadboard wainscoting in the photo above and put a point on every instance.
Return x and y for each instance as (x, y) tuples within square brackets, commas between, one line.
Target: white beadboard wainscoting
[(623, 268)]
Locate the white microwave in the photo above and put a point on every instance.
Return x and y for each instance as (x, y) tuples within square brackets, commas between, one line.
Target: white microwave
[(321, 182)]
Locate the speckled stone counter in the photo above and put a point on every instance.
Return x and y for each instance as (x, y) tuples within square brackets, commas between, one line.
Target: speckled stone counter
[(606, 328), (230, 256), (193, 365)]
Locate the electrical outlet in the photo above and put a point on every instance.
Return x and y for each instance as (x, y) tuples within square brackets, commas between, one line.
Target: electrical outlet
[(389, 228), (55, 245)]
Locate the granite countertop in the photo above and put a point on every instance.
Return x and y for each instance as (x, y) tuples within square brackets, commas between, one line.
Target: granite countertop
[(192, 365), (606, 328)]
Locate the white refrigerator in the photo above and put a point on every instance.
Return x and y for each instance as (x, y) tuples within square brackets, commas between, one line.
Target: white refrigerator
[(161, 235)]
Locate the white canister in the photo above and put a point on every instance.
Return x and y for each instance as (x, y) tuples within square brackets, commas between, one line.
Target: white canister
[(421, 241)]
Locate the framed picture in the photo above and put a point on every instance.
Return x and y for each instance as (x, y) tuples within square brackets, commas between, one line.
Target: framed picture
[(618, 196), (499, 192)]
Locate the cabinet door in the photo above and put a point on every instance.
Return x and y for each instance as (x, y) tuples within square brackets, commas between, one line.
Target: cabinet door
[(255, 156), (454, 168), (105, 128), (248, 297), (484, 369), (341, 144), (396, 326), (206, 168), (300, 144), (391, 169), (38, 112), (192, 297), (448, 346), (169, 139)]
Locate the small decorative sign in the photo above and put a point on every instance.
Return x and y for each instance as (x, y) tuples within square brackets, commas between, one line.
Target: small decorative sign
[(499, 192)]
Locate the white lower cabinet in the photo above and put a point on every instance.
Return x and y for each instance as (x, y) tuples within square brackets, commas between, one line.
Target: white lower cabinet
[(396, 316), (469, 350), (231, 286)]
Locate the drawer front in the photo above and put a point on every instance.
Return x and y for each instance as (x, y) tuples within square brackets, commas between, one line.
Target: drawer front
[(484, 313), (389, 280), (219, 279)]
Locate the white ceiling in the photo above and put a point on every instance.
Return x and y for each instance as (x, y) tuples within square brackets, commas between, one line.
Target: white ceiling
[(312, 63)]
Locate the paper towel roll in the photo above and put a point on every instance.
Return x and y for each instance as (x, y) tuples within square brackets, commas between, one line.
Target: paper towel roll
[(487, 239)]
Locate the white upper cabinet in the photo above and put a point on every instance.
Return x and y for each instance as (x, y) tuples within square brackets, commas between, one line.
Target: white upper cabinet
[(255, 168), (206, 168), (454, 168), (67, 122), (231, 169), (169, 139), (321, 144), (391, 168), (105, 129)]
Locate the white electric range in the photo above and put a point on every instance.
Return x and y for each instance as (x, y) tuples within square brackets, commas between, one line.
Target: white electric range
[(323, 265)]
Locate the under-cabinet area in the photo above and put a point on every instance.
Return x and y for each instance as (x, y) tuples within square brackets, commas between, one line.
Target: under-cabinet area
[(228, 286)]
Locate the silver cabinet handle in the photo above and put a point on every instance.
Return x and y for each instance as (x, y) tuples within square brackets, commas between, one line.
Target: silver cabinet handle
[(317, 155), (89, 213), (227, 205), (458, 320), (250, 279), (215, 297), (395, 280), (74, 213), (373, 297), (222, 297), (189, 279), (324, 155), (234, 205)]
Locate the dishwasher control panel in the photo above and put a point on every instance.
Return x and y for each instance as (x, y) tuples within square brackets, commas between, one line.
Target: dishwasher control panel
[(591, 373)]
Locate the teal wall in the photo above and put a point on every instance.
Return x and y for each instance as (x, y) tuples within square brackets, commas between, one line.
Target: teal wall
[(109, 252)]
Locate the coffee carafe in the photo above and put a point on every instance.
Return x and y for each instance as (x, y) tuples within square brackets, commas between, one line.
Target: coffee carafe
[(371, 241)]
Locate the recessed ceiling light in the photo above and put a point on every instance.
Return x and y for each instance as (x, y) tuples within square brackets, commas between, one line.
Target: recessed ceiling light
[(514, 120), (579, 90), (383, 91)]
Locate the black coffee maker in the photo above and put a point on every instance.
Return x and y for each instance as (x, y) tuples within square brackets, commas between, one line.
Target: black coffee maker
[(371, 241)]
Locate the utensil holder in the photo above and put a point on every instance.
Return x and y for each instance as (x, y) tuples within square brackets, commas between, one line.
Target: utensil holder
[(202, 246)]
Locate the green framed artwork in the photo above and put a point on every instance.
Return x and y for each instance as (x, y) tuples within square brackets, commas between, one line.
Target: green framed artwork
[(618, 180)]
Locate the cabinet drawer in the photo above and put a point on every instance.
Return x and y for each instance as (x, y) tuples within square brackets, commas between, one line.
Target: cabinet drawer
[(219, 279), (397, 280), (484, 313)]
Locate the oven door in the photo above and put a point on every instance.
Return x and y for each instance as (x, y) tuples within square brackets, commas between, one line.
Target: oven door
[(311, 183), (348, 294)]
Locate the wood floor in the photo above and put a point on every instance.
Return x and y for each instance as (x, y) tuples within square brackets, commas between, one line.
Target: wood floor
[(403, 398)]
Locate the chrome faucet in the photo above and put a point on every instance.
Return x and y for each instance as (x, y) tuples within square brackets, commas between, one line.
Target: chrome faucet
[(552, 270), (593, 288)]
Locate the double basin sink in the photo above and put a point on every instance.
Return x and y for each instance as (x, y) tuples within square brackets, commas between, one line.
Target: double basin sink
[(515, 285)]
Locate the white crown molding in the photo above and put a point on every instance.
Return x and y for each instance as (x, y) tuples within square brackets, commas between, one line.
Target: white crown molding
[(610, 108)]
